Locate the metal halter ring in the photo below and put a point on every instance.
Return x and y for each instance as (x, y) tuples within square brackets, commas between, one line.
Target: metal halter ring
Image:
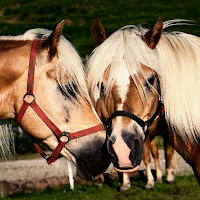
[(64, 137), (29, 95)]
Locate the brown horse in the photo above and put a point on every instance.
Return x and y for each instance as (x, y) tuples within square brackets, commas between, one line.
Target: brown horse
[(57, 106), (138, 71), (99, 36)]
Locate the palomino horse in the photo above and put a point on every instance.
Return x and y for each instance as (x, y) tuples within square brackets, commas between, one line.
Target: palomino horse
[(56, 109), (99, 35), (138, 71)]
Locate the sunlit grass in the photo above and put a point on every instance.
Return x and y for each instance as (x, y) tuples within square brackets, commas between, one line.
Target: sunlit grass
[(185, 188)]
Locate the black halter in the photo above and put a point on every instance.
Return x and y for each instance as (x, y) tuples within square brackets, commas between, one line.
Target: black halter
[(144, 124)]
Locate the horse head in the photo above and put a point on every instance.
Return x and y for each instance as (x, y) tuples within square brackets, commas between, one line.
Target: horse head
[(60, 91), (125, 91)]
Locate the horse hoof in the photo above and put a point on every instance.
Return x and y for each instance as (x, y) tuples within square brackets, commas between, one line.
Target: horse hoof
[(149, 186), (171, 181), (124, 188), (159, 181)]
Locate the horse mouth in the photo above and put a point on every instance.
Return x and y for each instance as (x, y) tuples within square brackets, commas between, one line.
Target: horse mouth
[(90, 160), (127, 170), (89, 168)]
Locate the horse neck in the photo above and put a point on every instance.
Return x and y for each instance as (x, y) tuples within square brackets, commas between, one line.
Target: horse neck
[(14, 59), (189, 150)]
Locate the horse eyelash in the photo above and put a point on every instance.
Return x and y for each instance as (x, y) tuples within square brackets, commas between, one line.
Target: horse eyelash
[(71, 90)]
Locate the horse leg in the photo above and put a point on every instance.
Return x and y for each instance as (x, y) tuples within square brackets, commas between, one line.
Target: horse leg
[(154, 151), (170, 163), (106, 179), (147, 161), (126, 184)]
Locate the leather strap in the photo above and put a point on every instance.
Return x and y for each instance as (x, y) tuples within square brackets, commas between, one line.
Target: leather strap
[(85, 132), (124, 113), (53, 157), (45, 119), (43, 116), (21, 112), (31, 71), (142, 123)]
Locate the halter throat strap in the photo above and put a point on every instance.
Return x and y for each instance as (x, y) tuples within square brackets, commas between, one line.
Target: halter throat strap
[(63, 137)]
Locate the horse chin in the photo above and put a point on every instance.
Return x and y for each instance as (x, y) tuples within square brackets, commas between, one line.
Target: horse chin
[(83, 172), (127, 170), (90, 164), (91, 167), (81, 167)]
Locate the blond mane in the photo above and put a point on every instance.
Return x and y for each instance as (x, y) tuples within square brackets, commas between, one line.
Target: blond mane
[(179, 72), (176, 60), (122, 52)]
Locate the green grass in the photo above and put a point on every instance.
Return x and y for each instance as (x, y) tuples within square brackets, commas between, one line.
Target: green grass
[(18, 16), (185, 188)]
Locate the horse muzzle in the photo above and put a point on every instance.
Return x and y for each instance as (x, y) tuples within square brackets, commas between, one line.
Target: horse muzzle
[(92, 159), (126, 150)]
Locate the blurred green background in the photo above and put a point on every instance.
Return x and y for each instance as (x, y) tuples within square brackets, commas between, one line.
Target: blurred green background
[(18, 16)]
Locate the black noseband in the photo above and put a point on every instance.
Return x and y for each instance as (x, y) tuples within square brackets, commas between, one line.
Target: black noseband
[(144, 124)]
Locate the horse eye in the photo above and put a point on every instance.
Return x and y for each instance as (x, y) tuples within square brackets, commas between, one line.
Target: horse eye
[(150, 82), (102, 88)]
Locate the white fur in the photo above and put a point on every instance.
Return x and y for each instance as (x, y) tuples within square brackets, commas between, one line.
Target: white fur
[(176, 60)]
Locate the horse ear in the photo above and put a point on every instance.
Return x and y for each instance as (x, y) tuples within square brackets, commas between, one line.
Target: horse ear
[(98, 32), (54, 38), (153, 36)]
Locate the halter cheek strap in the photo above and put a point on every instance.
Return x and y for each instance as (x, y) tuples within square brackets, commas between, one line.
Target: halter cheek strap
[(63, 137)]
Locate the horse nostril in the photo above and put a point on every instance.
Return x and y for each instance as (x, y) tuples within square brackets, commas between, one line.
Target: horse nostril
[(110, 142), (137, 145), (137, 152)]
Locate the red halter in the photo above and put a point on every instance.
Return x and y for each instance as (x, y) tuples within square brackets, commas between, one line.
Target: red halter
[(42, 115)]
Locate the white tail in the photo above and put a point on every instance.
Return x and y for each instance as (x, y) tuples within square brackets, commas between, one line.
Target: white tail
[(7, 148)]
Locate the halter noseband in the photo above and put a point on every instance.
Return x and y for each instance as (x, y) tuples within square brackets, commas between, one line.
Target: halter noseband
[(63, 137), (144, 124)]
